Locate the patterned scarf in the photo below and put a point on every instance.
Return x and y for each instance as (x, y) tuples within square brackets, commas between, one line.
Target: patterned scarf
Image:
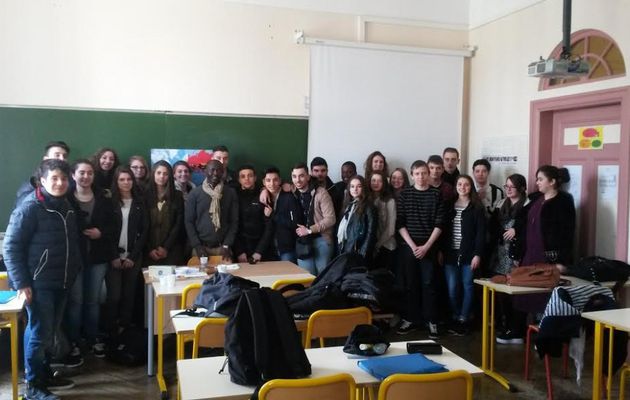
[(215, 203)]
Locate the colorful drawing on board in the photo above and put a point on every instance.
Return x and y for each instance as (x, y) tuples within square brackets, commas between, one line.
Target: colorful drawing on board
[(197, 159), (591, 138)]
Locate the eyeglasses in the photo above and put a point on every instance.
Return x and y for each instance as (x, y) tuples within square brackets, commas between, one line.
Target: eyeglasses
[(137, 167), (506, 187)]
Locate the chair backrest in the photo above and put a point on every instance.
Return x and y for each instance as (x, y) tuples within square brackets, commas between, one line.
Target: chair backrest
[(281, 283), (190, 294), (452, 385), (193, 261), (209, 333), (332, 387), (335, 323), (4, 281)]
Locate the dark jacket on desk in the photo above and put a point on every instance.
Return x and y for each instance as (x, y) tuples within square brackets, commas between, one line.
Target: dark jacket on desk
[(473, 229), (199, 226), (558, 227), (137, 230), (255, 230), (41, 247), (96, 251), (286, 215)]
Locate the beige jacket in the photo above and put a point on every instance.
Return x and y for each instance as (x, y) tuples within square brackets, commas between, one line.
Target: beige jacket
[(324, 211)]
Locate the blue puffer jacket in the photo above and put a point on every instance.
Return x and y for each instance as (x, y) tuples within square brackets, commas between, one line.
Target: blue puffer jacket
[(41, 245)]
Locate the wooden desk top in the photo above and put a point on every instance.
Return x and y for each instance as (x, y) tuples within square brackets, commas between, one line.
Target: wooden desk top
[(515, 290), (264, 273), (14, 306), (199, 378), (618, 319)]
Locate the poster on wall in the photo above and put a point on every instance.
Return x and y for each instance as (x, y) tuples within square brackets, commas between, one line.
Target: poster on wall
[(196, 158), (591, 138), (507, 155)]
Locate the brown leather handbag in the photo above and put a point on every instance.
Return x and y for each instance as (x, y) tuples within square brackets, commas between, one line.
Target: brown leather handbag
[(537, 275)]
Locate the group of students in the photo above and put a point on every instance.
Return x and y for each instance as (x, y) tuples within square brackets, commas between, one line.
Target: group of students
[(75, 227)]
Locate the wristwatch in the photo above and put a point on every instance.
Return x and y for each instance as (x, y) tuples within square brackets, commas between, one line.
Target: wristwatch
[(225, 246), (310, 232)]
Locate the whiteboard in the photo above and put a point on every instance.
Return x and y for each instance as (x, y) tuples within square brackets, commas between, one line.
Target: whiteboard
[(407, 105)]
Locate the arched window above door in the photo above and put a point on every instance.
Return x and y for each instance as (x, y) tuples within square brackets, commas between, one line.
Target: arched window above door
[(601, 52)]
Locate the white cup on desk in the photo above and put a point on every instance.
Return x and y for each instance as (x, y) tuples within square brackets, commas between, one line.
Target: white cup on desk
[(203, 261), (167, 280)]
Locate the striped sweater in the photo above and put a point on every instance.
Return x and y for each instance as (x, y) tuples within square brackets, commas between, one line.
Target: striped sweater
[(420, 211)]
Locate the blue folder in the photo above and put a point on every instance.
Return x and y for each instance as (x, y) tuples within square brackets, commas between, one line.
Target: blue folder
[(382, 367), (6, 296)]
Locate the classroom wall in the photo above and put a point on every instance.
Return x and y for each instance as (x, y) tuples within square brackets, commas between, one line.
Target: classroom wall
[(195, 55), (501, 92)]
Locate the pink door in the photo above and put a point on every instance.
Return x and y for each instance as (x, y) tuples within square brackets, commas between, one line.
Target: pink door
[(587, 141)]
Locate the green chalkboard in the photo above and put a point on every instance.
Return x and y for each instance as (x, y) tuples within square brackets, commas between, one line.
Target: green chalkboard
[(25, 131)]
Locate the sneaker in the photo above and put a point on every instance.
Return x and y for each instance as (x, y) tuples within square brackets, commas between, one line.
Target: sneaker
[(98, 349), (56, 382), (36, 391), (509, 338), (74, 359), (458, 328), (406, 327), (433, 331)]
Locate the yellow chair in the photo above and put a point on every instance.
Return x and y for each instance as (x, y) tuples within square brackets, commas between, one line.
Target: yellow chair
[(281, 283), (333, 387), (209, 333), (334, 323), (453, 385), (625, 372), (188, 297)]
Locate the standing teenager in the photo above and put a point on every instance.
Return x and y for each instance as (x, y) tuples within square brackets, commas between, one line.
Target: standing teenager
[(466, 245)]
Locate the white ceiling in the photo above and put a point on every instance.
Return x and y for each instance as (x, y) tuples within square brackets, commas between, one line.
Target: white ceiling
[(458, 14)]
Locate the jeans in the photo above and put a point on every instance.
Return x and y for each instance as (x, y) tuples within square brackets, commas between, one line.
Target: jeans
[(322, 253), (45, 314), (288, 256), (459, 280), (418, 279), (84, 303)]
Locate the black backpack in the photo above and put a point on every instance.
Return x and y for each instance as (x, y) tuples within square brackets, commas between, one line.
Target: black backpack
[(261, 340), (220, 293)]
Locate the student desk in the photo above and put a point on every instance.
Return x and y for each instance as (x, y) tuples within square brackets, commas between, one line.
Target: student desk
[(487, 330), (264, 273), (10, 310), (200, 379), (613, 319)]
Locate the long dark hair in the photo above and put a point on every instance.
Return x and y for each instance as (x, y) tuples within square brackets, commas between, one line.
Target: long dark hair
[(386, 192), (362, 201), (474, 197), (509, 210), (560, 175), (96, 160), (404, 174), (116, 192), (153, 193), (368, 163)]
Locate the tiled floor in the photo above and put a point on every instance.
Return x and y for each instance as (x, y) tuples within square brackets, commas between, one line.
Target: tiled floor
[(100, 379)]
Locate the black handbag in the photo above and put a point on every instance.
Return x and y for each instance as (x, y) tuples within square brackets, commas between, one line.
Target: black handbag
[(304, 248)]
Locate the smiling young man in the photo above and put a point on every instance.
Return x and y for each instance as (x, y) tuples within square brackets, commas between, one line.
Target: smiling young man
[(255, 230), (211, 215), (55, 150), (41, 251), (419, 220), (318, 220)]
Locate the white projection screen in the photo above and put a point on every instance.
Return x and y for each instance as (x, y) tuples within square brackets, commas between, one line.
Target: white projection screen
[(407, 105)]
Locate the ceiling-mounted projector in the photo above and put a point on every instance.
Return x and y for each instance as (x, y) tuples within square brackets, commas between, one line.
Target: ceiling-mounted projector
[(562, 68), (566, 66)]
